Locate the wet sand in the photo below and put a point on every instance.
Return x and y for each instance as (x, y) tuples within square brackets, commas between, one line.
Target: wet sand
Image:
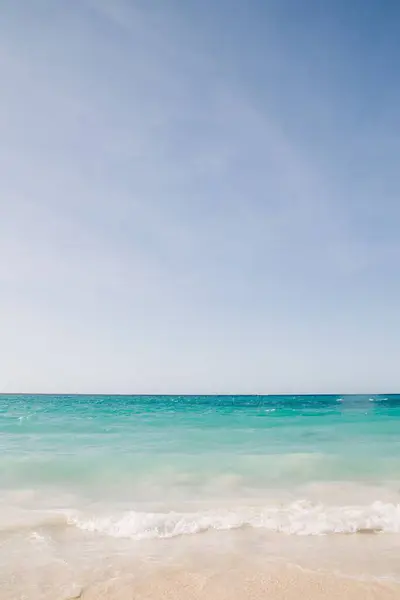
[(222, 581), (287, 583)]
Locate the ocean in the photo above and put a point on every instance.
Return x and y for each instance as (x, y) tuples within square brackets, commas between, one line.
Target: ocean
[(101, 495)]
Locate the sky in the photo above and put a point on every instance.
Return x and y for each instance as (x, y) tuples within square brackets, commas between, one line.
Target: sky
[(199, 197)]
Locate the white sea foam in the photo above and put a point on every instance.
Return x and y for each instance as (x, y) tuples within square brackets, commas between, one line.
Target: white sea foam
[(299, 518)]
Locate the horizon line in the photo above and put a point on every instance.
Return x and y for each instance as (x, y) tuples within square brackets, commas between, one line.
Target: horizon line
[(194, 395)]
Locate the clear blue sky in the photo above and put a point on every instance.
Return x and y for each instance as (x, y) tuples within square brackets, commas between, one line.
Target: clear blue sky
[(200, 196)]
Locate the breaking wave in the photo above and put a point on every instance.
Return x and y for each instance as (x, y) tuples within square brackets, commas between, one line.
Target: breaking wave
[(299, 518)]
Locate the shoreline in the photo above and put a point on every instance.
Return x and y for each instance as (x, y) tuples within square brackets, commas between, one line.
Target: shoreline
[(193, 576)]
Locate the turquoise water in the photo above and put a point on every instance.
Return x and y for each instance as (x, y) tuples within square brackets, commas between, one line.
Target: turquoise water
[(278, 462), (83, 441)]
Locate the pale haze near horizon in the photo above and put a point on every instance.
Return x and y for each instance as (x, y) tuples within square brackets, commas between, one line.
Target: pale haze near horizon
[(199, 197)]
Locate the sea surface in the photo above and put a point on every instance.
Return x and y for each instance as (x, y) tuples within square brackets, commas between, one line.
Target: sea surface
[(95, 489)]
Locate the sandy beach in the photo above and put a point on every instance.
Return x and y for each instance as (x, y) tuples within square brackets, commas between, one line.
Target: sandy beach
[(221, 582), (284, 583)]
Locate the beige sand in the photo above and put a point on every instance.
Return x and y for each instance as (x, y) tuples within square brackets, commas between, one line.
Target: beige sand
[(283, 583), (245, 583), (208, 573)]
